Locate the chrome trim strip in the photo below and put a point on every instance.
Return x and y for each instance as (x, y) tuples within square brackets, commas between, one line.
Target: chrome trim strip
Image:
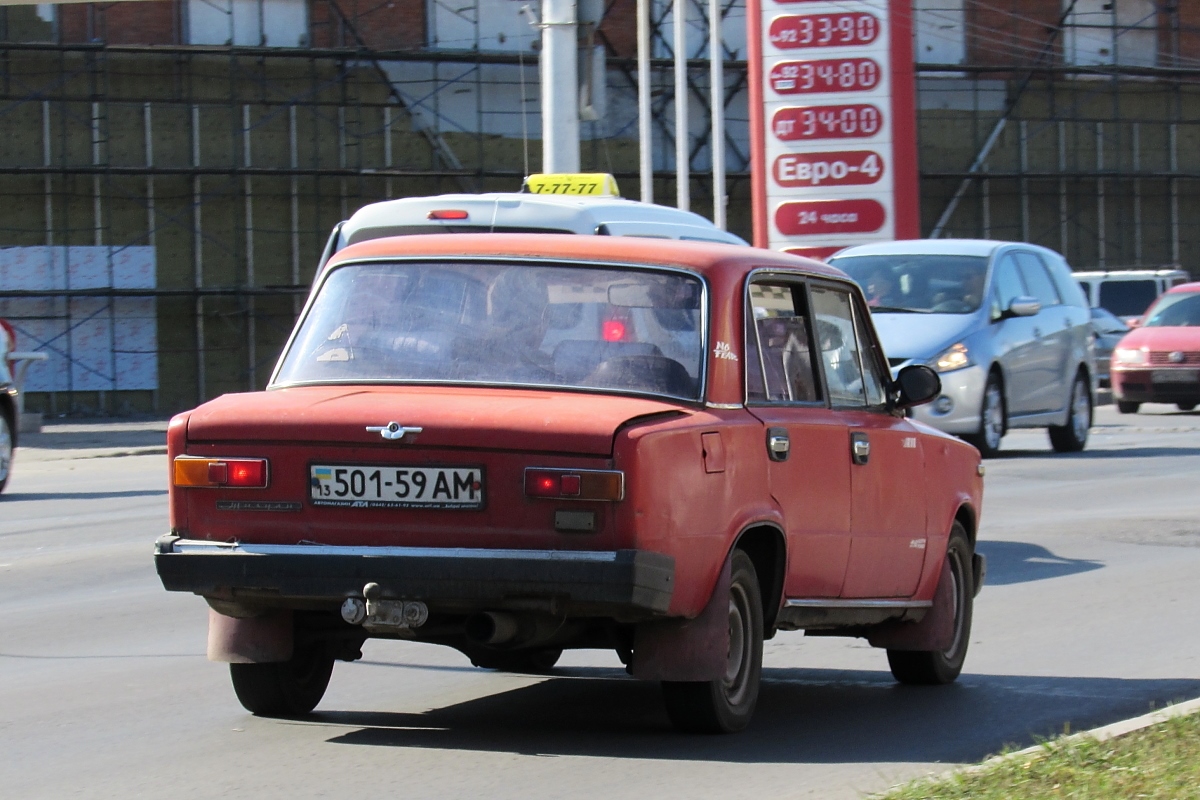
[(196, 546), (724, 406), (836, 602)]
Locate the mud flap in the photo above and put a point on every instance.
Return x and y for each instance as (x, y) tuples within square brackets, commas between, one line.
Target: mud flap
[(686, 649), (250, 640), (935, 631)]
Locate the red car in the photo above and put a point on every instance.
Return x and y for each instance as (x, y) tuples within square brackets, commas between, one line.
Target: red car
[(515, 444), (1159, 362)]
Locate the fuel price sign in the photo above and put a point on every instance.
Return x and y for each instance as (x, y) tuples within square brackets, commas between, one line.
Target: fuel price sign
[(832, 121)]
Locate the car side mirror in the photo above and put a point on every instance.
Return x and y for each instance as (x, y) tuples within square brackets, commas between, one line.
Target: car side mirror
[(915, 385), (1023, 306)]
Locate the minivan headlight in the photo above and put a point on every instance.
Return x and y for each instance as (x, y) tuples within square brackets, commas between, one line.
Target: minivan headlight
[(1129, 356), (956, 356)]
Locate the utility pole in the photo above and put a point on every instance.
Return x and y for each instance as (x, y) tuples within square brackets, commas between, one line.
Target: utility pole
[(560, 86)]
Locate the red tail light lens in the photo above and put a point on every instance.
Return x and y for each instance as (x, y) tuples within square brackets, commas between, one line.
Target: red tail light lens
[(566, 484), (447, 213), (234, 473)]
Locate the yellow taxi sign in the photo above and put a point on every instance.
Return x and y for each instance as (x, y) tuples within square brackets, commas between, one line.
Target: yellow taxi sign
[(584, 184)]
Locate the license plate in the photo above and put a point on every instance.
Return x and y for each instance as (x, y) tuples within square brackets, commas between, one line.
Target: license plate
[(1175, 376), (396, 487)]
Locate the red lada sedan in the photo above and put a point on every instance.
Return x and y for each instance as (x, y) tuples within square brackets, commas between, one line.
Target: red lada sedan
[(1159, 362), (516, 444)]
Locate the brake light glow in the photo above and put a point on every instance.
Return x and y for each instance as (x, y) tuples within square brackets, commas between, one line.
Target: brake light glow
[(575, 484), (447, 213), (232, 473), (613, 330)]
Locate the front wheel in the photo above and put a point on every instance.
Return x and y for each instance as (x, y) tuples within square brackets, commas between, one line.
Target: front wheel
[(1072, 437), (1127, 407), (1185, 406), (725, 705), (936, 667), (992, 419), (284, 689)]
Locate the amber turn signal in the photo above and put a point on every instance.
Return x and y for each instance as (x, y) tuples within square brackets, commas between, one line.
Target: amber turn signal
[(574, 484), (232, 473)]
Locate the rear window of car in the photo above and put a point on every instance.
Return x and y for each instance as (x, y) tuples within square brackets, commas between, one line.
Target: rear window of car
[(621, 330), (1128, 298)]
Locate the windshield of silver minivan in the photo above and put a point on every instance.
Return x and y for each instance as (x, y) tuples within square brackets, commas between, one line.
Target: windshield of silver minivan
[(918, 284), (624, 330)]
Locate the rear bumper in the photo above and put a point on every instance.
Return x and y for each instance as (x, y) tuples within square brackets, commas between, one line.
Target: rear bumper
[(624, 584)]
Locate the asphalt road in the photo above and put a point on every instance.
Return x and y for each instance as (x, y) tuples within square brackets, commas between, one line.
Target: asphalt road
[(1090, 616)]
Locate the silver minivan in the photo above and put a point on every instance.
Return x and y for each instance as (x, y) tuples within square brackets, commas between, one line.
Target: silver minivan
[(1004, 324)]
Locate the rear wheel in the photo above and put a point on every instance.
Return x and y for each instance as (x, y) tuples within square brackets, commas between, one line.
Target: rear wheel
[(1185, 406), (1127, 407), (6, 448), (284, 689), (935, 667), (992, 419), (1072, 437), (725, 705)]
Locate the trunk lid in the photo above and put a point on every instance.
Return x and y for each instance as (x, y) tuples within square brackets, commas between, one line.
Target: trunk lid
[(450, 417)]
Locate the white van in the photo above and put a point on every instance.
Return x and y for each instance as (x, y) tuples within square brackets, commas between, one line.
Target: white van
[(1127, 293), (586, 204)]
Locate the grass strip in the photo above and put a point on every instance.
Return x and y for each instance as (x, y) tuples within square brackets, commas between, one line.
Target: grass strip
[(1161, 762)]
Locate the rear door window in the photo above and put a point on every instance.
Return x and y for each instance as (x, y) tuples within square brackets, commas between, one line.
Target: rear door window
[(779, 366)]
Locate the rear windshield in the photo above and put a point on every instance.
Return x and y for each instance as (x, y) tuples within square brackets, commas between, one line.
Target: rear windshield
[(1181, 309), (1128, 298), (920, 284), (622, 330)]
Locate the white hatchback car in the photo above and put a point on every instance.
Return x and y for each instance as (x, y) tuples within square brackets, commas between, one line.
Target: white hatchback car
[(585, 205)]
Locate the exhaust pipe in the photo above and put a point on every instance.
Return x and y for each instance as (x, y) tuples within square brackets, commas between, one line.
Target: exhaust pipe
[(492, 627)]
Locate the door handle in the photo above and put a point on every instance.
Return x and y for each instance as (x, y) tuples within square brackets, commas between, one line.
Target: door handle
[(860, 447), (1037, 333), (779, 446)]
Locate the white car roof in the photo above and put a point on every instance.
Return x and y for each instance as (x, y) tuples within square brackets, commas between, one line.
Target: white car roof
[(530, 212), (940, 247)]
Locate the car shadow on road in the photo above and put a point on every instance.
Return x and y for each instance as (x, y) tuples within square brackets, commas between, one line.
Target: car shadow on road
[(1021, 562), (803, 716), (15, 496), (1093, 453)]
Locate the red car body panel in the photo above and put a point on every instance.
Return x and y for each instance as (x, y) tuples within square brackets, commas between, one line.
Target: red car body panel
[(696, 474), (1136, 383)]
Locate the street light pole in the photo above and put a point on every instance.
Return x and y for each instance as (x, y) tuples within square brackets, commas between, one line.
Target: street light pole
[(560, 86)]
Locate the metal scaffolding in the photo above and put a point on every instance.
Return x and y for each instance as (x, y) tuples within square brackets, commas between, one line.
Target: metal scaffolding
[(232, 163)]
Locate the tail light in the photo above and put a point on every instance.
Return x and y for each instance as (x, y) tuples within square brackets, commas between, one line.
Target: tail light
[(617, 326), (230, 473), (568, 484), (447, 213)]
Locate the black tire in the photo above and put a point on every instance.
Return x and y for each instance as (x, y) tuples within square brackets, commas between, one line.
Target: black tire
[(284, 689), (937, 667), (1127, 407), (725, 705), (1072, 437), (7, 446), (1185, 406), (534, 662), (993, 418)]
